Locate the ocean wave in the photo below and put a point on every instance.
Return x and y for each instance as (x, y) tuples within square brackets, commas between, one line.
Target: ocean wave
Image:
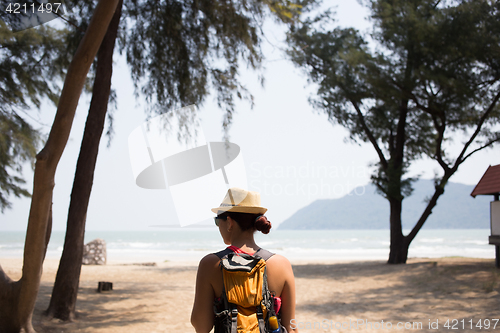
[(324, 244), (431, 240)]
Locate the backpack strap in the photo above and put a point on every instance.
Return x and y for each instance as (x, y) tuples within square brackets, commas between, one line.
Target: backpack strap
[(223, 253), (234, 318), (260, 318), (263, 254)]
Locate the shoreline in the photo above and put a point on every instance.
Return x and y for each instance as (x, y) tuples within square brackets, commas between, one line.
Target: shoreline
[(194, 260), (192, 245), (159, 298)]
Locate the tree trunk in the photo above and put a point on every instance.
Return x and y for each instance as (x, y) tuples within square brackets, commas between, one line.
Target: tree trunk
[(63, 301), (17, 298), (399, 246), (400, 243)]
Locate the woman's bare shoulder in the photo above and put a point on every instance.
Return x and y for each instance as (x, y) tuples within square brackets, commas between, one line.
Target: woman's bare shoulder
[(209, 261), (279, 258), (280, 262)]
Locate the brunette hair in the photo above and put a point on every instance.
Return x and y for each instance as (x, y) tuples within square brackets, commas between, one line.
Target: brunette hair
[(249, 221)]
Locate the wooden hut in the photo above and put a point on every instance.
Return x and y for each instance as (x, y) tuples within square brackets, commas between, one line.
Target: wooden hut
[(490, 185)]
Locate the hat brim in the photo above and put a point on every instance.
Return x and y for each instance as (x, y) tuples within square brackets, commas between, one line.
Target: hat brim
[(240, 209)]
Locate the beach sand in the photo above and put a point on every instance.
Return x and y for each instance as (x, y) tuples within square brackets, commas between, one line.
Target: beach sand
[(356, 295)]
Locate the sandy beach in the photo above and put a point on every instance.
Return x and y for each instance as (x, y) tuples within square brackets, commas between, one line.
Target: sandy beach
[(365, 296)]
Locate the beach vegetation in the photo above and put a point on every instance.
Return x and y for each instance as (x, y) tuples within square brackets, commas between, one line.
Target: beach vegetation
[(17, 298), (424, 83), (178, 53), (31, 69), (64, 294)]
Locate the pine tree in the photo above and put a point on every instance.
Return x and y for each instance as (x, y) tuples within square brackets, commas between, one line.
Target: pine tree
[(31, 66), (178, 52), (17, 298), (429, 73)]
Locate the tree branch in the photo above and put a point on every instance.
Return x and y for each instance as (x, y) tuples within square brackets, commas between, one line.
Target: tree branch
[(381, 189), (370, 135), (439, 189), (437, 3), (413, 97), (440, 128), (483, 118), (491, 142)]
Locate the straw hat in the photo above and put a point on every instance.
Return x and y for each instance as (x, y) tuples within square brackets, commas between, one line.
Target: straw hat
[(239, 200)]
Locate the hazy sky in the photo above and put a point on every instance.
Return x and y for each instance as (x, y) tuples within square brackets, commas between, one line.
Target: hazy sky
[(292, 154)]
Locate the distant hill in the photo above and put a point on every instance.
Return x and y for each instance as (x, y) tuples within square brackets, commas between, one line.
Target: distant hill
[(365, 209)]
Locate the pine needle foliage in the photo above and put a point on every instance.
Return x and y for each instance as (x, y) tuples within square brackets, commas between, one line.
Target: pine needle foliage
[(31, 66), (426, 78)]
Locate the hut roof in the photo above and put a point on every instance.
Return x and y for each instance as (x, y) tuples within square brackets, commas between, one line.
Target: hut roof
[(489, 183)]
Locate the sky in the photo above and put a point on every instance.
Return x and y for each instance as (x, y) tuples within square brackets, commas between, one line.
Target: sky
[(291, 153)]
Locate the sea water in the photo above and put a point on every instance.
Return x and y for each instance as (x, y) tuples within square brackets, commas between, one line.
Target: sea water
[(190, 245)]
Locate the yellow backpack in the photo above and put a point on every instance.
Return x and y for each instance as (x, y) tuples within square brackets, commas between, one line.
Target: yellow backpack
[(246, 304)]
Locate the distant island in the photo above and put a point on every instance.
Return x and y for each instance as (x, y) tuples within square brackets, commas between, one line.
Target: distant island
[(363, 208)]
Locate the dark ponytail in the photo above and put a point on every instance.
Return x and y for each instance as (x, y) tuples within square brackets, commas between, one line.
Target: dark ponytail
[(263, 224), (250, 221)]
